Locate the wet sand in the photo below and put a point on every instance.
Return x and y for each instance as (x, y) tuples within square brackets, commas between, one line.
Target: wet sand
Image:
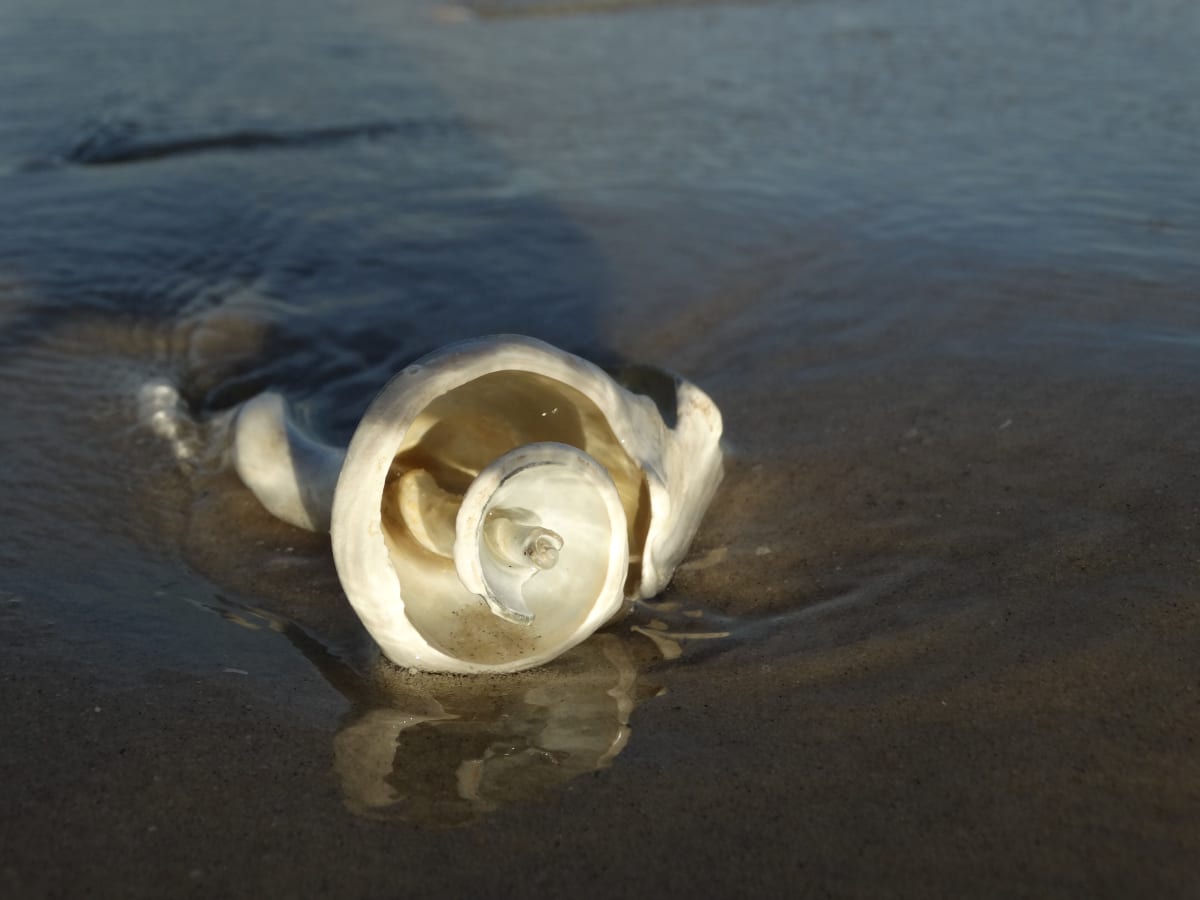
[(938, 635), (989, 689)]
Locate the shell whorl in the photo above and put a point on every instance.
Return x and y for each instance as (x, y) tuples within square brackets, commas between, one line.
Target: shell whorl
[(538, 524)]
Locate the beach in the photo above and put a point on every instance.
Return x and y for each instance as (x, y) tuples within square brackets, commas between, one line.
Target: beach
[(938, 267)]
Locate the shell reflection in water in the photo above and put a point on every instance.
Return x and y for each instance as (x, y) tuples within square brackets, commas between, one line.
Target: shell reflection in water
[(499, 502), (443, 752), (438, 750)]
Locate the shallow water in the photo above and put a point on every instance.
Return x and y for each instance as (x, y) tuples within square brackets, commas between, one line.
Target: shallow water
[(938, 263)]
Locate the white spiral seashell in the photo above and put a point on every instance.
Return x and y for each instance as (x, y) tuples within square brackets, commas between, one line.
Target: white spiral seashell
[(500, 500)]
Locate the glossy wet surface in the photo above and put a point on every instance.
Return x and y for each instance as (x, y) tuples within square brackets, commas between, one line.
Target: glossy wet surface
[(937, 263)]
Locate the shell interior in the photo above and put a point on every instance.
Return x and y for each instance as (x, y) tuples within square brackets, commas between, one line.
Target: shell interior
[(455, 438)]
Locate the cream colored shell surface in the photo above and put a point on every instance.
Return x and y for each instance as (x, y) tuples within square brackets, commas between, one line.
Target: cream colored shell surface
[(499, 501)]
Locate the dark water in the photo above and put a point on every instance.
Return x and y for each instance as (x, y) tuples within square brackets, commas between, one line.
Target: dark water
[(939, 264)]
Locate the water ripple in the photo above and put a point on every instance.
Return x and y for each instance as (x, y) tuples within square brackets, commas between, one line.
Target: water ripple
[(110, 146)]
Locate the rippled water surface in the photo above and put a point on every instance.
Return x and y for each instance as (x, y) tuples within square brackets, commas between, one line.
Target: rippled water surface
[(938, 263)]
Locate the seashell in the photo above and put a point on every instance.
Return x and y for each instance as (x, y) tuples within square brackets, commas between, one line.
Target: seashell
[(499, 502)]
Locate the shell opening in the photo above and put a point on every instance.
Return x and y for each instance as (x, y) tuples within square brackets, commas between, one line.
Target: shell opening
[(408, 515), (545, 538)]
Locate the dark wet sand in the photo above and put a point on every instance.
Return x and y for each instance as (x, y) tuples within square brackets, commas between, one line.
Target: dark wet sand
[(941, 277), (794, 781), (1036, 735)]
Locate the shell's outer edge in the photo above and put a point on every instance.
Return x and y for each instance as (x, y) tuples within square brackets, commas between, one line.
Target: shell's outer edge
[(292, 475), (691, 471), (471, 522), (683, 462)]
